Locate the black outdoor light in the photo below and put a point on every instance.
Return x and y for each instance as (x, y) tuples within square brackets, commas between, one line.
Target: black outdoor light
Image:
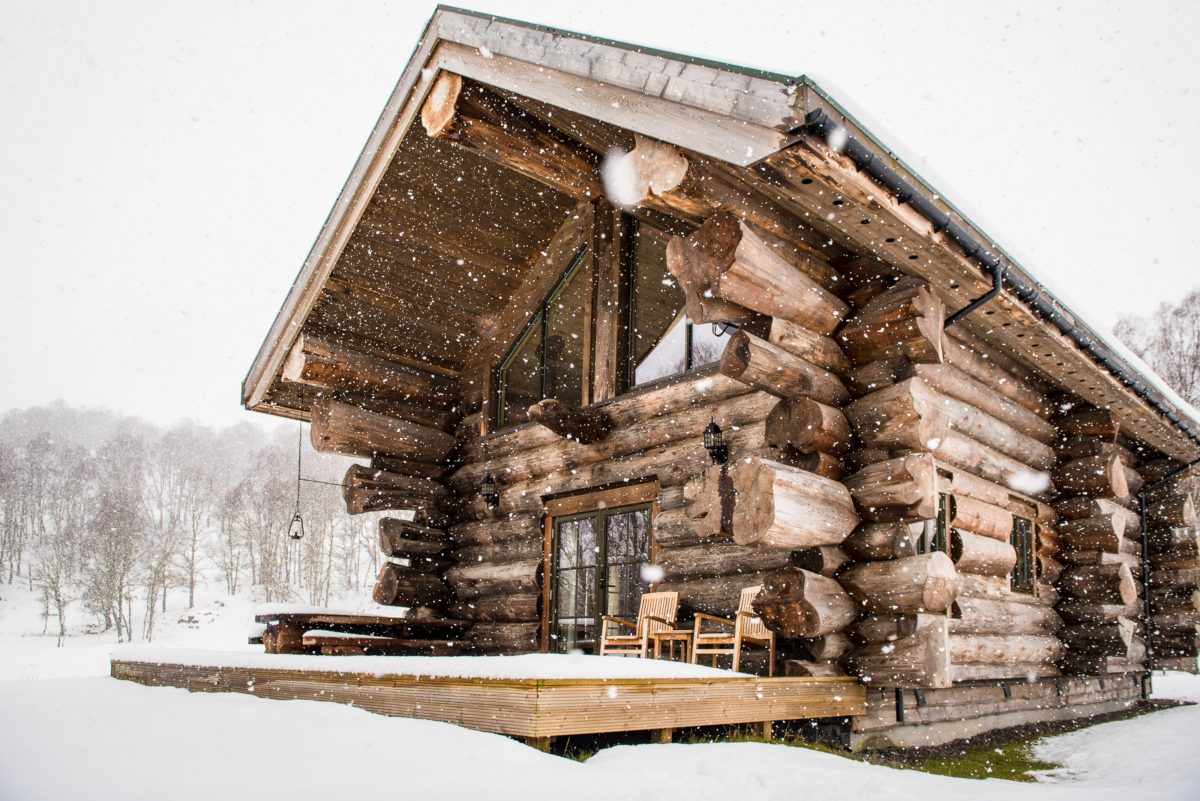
[(715, 443), (296, 527), (490, 491)]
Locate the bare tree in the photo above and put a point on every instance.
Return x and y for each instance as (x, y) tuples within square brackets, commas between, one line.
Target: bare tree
[(1169, 341), (59, 551)]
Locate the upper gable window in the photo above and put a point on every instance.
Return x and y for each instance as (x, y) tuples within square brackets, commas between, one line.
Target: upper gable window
[(546, 361), (662, 340)]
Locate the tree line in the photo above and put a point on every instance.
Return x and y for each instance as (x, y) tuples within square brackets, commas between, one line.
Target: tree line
[(116, 514)]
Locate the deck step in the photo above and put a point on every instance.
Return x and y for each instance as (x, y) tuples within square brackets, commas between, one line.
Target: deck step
[(334, 643)]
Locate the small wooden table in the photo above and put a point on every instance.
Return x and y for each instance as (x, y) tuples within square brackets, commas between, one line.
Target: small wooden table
[(670, 637)]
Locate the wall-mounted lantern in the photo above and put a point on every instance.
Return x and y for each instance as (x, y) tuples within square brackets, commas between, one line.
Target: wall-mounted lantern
[(490, 491), (714, 442)]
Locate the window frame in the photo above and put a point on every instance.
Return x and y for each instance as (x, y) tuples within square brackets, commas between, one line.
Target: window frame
[(628, 372), (637, 495), (538, 321)]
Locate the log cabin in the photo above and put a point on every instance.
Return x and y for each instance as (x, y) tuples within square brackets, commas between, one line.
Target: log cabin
[(559, 261)]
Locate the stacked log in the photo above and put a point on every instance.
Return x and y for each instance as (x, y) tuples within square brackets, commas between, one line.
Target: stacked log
[(411, 576), (1100, 546), (1174, 552), (949, 431)]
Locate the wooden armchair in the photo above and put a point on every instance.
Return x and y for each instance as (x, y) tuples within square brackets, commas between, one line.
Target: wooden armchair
[(656, 612), (746, 628)]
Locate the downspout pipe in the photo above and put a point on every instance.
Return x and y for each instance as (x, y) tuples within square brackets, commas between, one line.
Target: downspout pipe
[(834, 134)]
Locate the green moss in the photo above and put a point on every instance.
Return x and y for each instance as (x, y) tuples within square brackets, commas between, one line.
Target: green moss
[(1013, 762)]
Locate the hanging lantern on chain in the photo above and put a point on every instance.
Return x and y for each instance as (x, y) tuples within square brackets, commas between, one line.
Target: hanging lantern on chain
[(296, 527)]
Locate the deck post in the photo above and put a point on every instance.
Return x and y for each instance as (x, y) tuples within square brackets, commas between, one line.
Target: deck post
[(661, 736), (767, 728), (538, 743)]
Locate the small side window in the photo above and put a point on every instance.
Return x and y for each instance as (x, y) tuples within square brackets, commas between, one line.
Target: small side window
[(1022, 541)]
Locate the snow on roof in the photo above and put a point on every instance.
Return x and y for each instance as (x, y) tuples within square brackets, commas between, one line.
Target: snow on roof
[(525, 666)]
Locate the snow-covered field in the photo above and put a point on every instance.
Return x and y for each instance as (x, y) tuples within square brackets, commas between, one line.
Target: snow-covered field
[(67, 731)]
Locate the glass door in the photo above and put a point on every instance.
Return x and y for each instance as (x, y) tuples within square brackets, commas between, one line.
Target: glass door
[(598, 558)]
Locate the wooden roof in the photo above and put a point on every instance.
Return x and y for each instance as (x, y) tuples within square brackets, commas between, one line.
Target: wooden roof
[(428, 242)]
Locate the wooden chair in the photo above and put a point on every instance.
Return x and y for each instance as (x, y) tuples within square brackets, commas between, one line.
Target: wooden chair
[(656, 612), (746, 628)]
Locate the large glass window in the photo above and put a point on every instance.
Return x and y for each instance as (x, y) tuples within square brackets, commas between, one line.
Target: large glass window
[(546, 361), (662, 341), (597, 571)]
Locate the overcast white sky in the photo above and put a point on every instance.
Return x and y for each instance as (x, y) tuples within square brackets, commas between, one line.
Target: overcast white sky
[(165, 167)]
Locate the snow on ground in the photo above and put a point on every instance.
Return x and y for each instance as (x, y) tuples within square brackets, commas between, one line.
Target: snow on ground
[(93, 737)]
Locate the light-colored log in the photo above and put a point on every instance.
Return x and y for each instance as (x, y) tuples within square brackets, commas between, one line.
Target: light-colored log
[(885, 628), (953, 382), (823, 464), (779, 506), (904, 488), (904, 415), (351, 431), (981, 555), (904, 320), (735, 265), (404, 538), (799, 603), (923, 583), (808, 345), (968, 649), (806, 426), (828, 648), (999, 616), (992, 375), (757, 363), (980, 518), (996, 434), (968, 454), (807, 667)]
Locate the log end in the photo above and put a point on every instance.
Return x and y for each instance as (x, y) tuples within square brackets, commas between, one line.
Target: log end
[(441, 104)]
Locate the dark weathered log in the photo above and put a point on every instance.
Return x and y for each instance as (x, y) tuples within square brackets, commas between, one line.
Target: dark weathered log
[(823, 464), (350, 431), (1107, 584), (503, 608), (1094, 476), (779, 506), (806, 426), (322, 364), (716, 595), (799, 603), (1099, 533), (505, 638), (806, 667), (1049, 569), (1180, 542), (1110, 638), (981, 555), (1079, 447), (904, 320), (898, 489), (824, 559), (368, 490), (904, 415), (759, 364), (404, 538), (980, 518), (1082, 506), (923, 583), (1156, 469), (484, 123), (585, 425), (397, 585), (885, 628), (816, 348), (919, 660), (999, 616), (873, 541), (874, 376), (1090, 423), (1133, 479), (717, 558), (1174, 511), (734, 264), (829, 648), (477, 579), (1076, 611)]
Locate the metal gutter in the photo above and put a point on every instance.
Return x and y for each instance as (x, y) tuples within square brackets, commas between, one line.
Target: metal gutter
[(1034, 296)]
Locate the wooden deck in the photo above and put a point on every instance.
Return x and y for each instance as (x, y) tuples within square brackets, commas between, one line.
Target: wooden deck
[(535, 709)]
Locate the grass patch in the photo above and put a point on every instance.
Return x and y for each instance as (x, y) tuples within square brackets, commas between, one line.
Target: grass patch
[(1012, 762)]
